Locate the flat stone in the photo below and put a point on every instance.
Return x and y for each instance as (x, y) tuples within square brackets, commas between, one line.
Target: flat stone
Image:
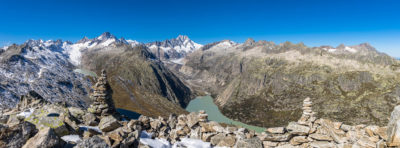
[(297, 140), (286, 145), (276, 130), (277, 137), (346, 127), (108, 123), (307, 99), (249, 143), (307, 104), (230, 129), (93, 142), (270, 144), (322, 144), (297, 129), (320, 137)]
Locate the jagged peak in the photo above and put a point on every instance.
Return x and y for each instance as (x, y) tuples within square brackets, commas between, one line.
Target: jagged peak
[(182, 37), (83, 40), (105, 36), (249, 42)]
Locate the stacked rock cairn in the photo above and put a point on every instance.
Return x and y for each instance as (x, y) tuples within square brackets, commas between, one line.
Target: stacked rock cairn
[(103, 104), (308, 116)]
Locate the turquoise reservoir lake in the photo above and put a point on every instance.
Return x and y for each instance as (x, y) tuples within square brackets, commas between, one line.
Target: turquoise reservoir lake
[(206, 103)]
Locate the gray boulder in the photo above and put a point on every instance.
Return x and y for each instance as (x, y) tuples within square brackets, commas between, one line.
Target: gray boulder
[(249, 143), (46, 138), (393, 131), (297, 129), (16, 136), (108, 123), (93, 142)]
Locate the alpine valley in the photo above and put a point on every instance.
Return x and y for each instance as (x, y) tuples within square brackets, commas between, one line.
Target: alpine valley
[(258, 83)]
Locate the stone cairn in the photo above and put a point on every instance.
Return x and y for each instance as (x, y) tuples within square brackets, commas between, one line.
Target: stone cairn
[(103, 104), (308, 116)]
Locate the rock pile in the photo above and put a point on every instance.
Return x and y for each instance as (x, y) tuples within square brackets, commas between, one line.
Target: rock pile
[(308, 116), (103, 104), (324, 133)]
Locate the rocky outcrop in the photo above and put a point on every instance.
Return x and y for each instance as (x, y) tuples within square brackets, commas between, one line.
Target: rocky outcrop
[(41, 66), (393, 131)]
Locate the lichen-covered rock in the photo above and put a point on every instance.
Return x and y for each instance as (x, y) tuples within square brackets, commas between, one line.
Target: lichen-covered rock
[(108, 123), (93, 142), (249, 143), (50, 116), (45, 138), (76, 112)]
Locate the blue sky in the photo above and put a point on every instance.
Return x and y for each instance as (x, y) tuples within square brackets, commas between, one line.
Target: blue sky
[(314, 22)]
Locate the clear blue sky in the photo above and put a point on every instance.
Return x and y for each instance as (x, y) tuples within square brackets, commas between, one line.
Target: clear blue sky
[(314, 22)]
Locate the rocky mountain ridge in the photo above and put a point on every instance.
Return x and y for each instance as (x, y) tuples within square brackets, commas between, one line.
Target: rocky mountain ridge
[(272, 78), (49, 67), (43, 67)]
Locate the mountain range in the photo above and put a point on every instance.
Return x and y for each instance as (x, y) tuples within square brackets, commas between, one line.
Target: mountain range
[(159, 78)]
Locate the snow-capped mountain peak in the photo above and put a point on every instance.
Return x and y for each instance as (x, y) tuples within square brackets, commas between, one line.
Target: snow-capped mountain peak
[(174, 48), (105, 36), (182, 38)]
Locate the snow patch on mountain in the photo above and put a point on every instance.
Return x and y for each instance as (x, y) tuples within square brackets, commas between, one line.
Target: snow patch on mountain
[(226, 44), (349, 49)]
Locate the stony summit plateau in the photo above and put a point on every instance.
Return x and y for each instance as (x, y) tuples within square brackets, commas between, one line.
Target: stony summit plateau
[(113, 92)]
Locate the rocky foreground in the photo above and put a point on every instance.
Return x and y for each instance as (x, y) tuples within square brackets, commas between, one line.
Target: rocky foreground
[(35, 122)]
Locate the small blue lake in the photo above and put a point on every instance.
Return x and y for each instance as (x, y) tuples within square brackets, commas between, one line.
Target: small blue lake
[(206, 103)]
